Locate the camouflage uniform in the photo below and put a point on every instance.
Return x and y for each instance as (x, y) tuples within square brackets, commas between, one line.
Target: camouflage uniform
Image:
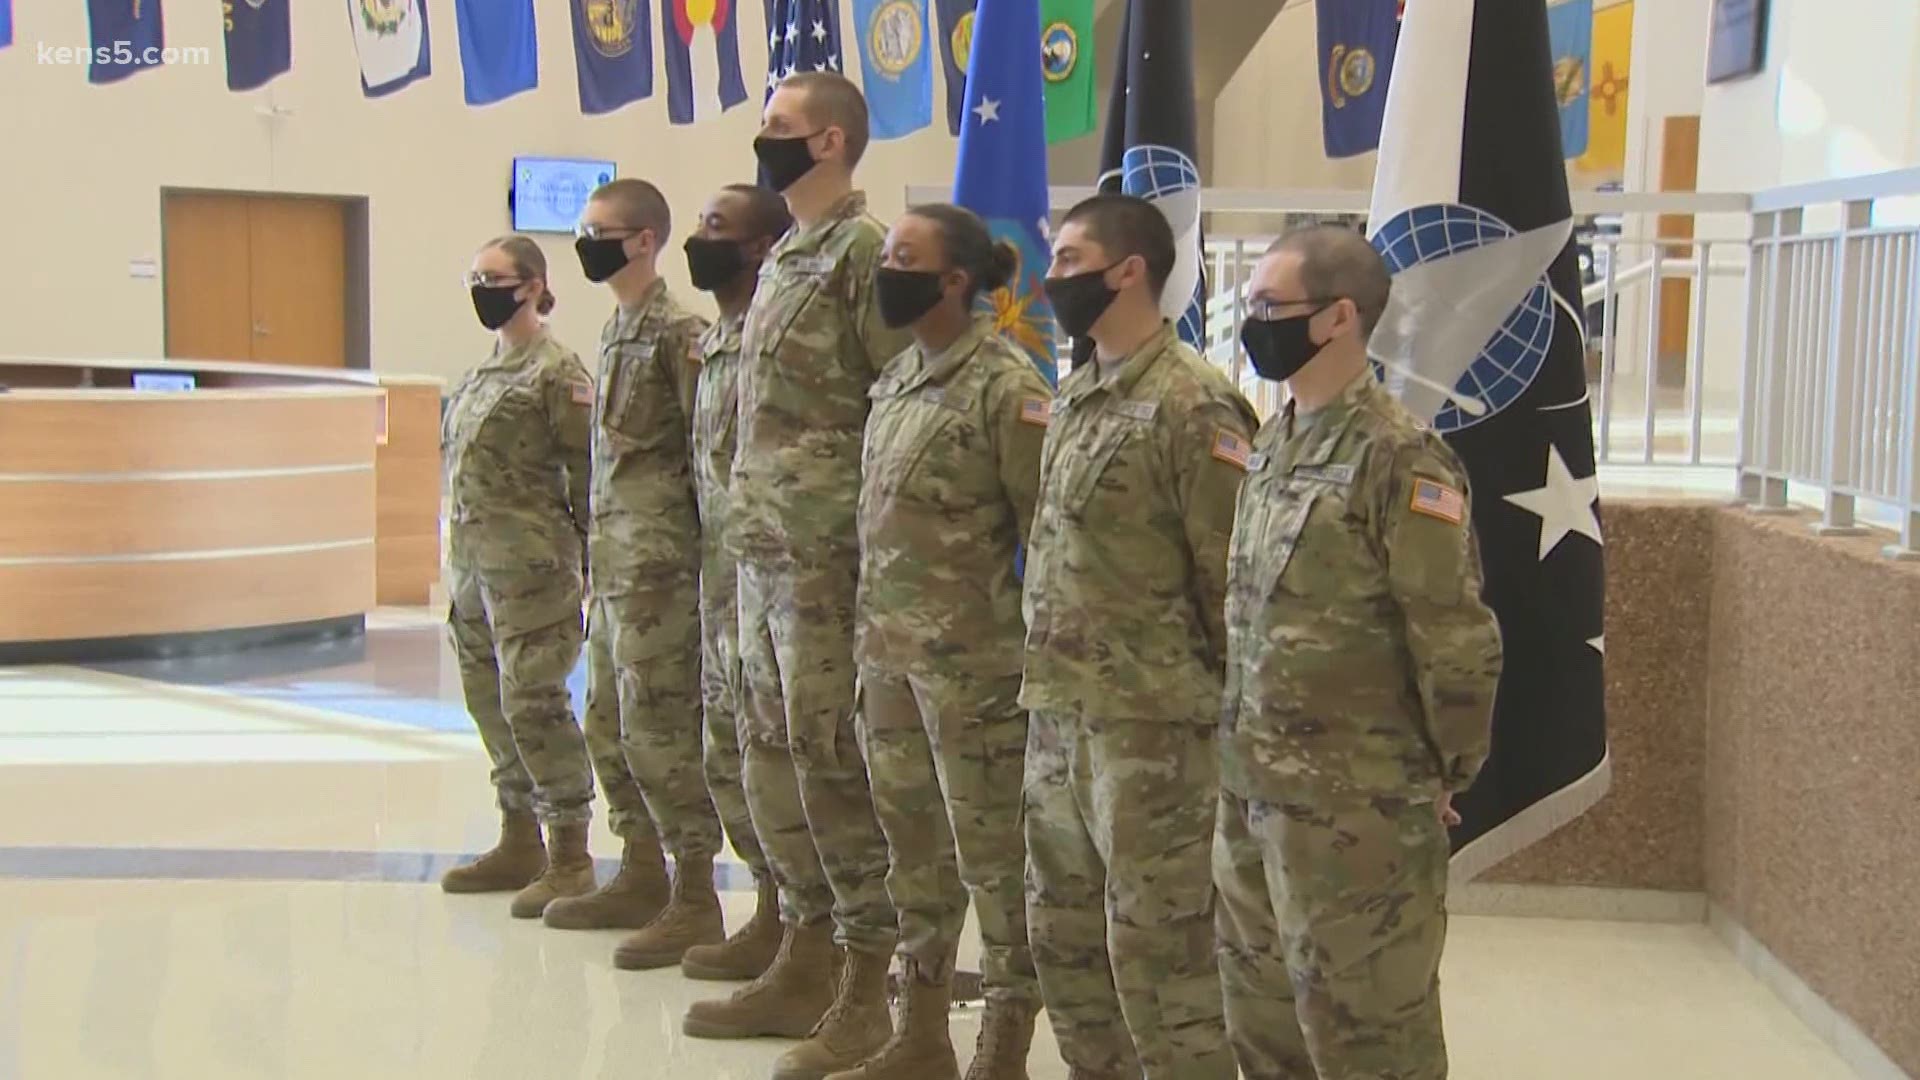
[(645, 559), (715, 421), (516, 445), (1125, 650), (1360, 686), (952, 468), (813, 344)]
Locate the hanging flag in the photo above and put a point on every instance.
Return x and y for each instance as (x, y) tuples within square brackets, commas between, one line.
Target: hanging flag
[(127, 36), (391, 39), (898, 77), (1483, 338), (259, 42), (1357, 40), (6, 23), (802, 35), (679, 21), (1612, 59), (1151, 142), (1570, 30), (1002, 173), (956, 46), (612, 52), (1066, 58), (499, 49)]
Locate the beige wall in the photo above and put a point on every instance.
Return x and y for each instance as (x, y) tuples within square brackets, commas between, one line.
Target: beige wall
[(84, 166)]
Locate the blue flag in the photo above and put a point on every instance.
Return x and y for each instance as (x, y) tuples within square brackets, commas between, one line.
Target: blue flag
[(499, 51), (1002, 174), (1570, 30), (391, 39), (1357, 41), (6, 23), (893, 56), (802, 35), (956, 46), (128, 36), (259, 42), (613, 53)]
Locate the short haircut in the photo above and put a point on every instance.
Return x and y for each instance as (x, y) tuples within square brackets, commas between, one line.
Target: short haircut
[(1337, 263), (767, 213), (1127, 225), (640, 204), (833, 100)]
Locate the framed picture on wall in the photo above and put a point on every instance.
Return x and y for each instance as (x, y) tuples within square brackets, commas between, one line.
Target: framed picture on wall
[(1737, 40)]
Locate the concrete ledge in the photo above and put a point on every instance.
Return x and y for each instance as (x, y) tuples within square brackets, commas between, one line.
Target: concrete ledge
[(1578, 902)]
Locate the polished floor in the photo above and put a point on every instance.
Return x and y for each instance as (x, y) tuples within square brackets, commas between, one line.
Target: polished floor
[(225, 869)]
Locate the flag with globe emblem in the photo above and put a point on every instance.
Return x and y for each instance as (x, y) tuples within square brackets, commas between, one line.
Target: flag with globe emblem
[(1483, 338), (1002, 175)]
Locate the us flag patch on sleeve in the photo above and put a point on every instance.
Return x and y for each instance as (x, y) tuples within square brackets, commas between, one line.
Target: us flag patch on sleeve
[(1036, 411), (582, 393), (1439, 501), (1232, 449)]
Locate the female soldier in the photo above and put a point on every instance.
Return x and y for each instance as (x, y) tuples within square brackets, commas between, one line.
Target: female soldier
[(516, 443), (950, 472)]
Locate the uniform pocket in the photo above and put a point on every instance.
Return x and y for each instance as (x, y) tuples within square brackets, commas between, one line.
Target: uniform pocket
[(635, 399), (1110, 436), (1284, 537)]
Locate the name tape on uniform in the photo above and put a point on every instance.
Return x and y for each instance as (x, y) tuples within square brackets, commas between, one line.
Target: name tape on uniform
[(1036, 411), (1439, 501), (1256, 463), (814, 264), (934, 395), (1338, 474), (581, 392), (1231, 449), (1138, 410)]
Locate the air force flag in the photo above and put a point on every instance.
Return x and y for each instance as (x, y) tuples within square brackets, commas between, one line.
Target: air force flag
[(1483, 338)]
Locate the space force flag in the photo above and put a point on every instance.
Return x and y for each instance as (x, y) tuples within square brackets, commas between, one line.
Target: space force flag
[(612, 53), (680, 22), (391, 39), (127, 36), (898, 76), (1357, 40), (1483, 338), (259, 42), (499, 51), (1570, 28), (1151, 143)]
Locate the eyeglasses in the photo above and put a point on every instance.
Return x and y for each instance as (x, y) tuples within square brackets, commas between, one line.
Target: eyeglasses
[(487, 279), (1269, 310), (585, 231)]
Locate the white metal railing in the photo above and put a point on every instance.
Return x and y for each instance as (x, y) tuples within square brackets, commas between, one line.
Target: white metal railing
[(1773, 338)]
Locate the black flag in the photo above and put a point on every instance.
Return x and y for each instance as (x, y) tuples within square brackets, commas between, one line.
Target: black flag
[(1483, 337)]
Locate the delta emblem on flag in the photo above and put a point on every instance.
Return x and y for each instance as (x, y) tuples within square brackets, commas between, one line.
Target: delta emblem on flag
[(1483, 338)]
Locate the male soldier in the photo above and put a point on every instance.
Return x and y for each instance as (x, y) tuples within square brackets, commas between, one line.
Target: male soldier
[(1125, 649), (644, 553), (812, 346), (1359, 698), (737, 229)]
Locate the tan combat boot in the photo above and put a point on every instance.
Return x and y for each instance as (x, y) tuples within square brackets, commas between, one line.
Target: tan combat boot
[(692, 918), (634, 898), (786, 1001), (515, 860), (747, 953), (921, 1047), (1006, 1034), (853, 1030), (569, 871)]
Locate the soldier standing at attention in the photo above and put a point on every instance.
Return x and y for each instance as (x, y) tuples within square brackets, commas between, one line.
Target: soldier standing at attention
[(516, 446), (951, 471), (737, 229), (812, 346), (1125, 653), (645, 562), (1359, 695)]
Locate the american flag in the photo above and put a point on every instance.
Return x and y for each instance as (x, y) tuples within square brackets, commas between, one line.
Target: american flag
[(802, 35)]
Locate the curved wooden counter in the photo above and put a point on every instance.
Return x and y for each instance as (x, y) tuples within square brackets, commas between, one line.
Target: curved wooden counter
[(254, 501)]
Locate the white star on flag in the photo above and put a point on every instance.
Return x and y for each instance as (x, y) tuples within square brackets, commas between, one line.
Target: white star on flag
[(1599, 644), (819, 30), (1565, 504), (834, 61), (988, 110), (820, 67), (773, 81), (774, 40)]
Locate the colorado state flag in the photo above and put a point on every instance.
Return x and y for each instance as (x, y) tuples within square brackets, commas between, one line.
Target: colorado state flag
[(679, 21), (499, 52), (259, 42), (391, 39), (128, 36), (613, 53), (893, 56)]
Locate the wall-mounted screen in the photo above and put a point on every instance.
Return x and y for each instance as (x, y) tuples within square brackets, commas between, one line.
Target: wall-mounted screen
[(548, 194)]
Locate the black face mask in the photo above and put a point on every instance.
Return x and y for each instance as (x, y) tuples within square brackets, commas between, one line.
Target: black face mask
[(1279, 348), (496, 305), (785, 161), (905, 295), (603, 258), (1079, 301), (713, 263)]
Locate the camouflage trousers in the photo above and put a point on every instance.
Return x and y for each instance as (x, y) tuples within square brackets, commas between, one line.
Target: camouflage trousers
[(720, 705), (1331, 922), (1119, 823), (516, 636), (957, 742), (650, 745), (805, 778)]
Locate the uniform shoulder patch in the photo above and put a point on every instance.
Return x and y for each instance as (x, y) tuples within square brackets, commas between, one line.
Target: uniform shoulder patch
[(1232, 449), (580, 392), (1437, 500), (1036, 411)]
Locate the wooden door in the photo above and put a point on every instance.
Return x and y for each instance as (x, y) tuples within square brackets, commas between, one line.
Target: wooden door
[(208, 294), (256, 278)]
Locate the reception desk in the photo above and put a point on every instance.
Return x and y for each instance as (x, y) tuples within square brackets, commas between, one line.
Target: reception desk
[(262, 502)]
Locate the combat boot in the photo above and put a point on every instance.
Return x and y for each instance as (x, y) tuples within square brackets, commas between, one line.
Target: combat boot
[(1006, 1034), (692, 918), (515, 860), (921, 1047), (853, 1030), (747, 953), (634, 898), (786, 1001), (569, 871)]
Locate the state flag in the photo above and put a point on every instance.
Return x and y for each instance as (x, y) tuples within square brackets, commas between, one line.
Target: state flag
[(1357, 42), (127, 36), (1570, 29), (680, 22), (6, 23), (612, 53), (1066, 57), (499, 48), (897, 75), (391, 39), (956, 48), (259, 37)]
